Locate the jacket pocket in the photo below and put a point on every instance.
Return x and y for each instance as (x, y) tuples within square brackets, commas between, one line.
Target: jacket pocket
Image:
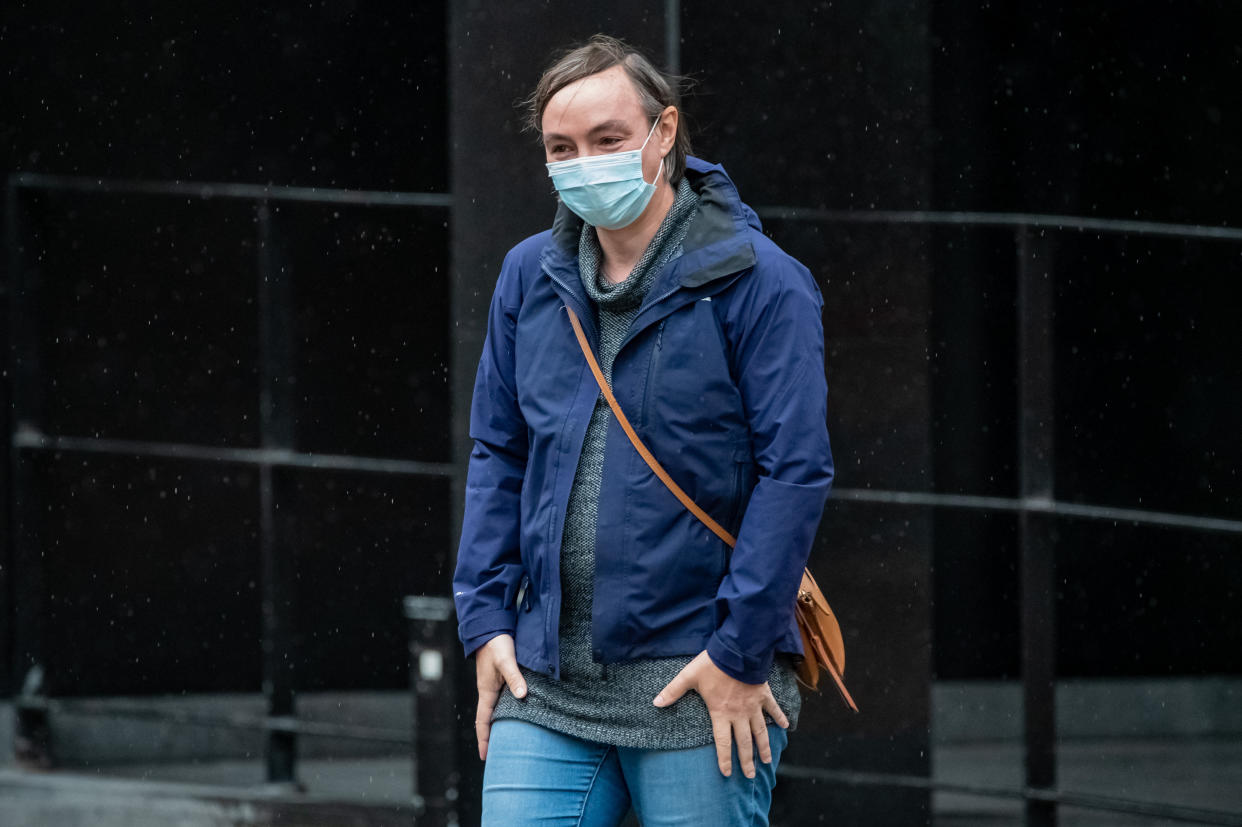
[(738, 495), (522, 600)]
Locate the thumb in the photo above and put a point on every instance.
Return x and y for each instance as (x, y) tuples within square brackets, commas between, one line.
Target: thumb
[(677, 687), (513, 677)]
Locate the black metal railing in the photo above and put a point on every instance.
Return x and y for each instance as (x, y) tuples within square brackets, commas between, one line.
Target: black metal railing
[(281, 725), (1052, 797), (1035, 504)]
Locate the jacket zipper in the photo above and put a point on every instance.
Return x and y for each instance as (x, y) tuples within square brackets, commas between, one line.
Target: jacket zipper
[(734, 522), (651, 373), (630, 334), (547, 607)]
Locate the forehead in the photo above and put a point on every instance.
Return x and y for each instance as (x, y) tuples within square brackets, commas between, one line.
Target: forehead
[(606, 95)]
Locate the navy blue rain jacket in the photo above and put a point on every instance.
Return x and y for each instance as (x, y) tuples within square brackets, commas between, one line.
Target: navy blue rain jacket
[(722, 375)]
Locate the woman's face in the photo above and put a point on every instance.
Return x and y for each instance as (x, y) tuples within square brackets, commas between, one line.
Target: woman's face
[(601, 114)]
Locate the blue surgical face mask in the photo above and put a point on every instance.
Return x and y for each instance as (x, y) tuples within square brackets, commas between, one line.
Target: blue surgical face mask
[(606, 191)]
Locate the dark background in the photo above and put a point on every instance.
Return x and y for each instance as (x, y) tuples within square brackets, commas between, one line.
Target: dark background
[(148, 330)]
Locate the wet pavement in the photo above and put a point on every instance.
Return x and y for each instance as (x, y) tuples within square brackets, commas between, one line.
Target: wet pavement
[(1201, 773)]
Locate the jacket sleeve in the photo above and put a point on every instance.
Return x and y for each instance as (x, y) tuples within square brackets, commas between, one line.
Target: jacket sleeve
[(778, 356), (488, 557)]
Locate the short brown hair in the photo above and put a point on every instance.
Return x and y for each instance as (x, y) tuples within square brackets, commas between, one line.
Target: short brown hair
[(656, 90)]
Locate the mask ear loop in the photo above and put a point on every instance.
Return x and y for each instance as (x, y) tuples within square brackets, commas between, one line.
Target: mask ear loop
[(655, 182)]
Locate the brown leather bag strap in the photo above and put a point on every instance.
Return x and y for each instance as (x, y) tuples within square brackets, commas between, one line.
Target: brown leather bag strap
[(819, 652), (647, 456)]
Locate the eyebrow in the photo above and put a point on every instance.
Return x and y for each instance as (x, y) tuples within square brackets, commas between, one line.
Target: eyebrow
[(614, 125)]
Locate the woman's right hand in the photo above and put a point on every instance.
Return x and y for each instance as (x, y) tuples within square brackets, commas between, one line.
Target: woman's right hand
[(495, 664)]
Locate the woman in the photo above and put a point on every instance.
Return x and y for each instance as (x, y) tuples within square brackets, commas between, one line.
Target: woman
[(626, 656)]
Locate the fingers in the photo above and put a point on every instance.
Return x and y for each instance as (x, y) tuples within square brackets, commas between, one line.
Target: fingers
[(483, 718), (772, 708), (513, 677), (745, 745), (723, 736), (759, 728), (748, 734), (675, 689), (495, 667)]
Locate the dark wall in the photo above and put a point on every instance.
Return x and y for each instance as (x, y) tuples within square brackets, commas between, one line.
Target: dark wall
[(144, 314), (1085, 109), (1094, 108), (327, 94), (1091, 109)]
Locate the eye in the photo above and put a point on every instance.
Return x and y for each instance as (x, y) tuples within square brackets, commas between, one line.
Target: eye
[(611, 140), (558, 149)]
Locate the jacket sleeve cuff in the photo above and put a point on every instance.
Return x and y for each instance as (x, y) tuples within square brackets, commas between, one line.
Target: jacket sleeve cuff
[(479, 629), (745, 668)]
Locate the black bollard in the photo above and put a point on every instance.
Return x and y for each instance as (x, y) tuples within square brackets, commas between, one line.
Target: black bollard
[(433, 648), (32, 737)]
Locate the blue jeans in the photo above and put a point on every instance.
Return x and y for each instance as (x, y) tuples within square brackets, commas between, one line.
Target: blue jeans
[(535, 776)]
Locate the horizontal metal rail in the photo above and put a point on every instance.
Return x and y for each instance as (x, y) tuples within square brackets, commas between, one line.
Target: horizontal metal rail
[(1086, 801), (328, 195), (252, 192), (28, 439), (1006, 220), (249, 723), (1042, 505), (31, 440)]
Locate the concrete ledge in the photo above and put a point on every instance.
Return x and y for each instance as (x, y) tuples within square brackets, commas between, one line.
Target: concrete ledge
[(964, 711), (79, 800), (6, 734), (80, 739)]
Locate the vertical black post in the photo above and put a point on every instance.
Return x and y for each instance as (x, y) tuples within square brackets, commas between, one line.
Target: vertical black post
[(672, 36), (276, 429), (28, 582), (8, 211), (1038, 562), (434, 654)]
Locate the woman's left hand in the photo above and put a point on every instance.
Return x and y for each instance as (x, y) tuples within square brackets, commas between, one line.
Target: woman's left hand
[(736, 709)]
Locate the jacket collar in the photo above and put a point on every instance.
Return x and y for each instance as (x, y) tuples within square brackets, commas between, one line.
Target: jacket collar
[(715, 246)]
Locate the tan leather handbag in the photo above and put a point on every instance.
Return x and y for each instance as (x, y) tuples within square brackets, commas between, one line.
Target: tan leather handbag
[(822, 643)]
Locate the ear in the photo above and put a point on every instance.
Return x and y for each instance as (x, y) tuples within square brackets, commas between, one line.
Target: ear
[(667, 130)]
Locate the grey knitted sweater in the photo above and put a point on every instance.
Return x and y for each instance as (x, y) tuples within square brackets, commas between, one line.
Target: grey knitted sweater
[(611, 703)]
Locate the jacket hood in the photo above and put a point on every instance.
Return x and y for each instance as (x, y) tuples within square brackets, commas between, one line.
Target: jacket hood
[(716, 245)]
